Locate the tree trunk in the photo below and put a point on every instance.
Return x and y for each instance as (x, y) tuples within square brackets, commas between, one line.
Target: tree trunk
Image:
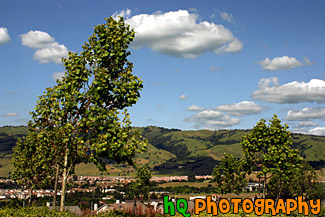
[(56, 185), (64, 181), (134, 205), (30, 196), (264, 186), (259, 187)]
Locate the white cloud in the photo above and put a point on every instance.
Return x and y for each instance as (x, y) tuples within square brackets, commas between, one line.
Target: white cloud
[(195, 108), (47, 49), (36, 39), (280, 63), (123, 13), (307, 124), (57, 75), (269, 90), (212, 119), (241, 108), (4, 35), (10, 114), (53, 52), (182, 97), (306, 114), (180, 34), (227, 17), (318, 131)]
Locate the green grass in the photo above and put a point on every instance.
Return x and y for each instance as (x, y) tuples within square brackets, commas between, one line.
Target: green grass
[(195, 151)]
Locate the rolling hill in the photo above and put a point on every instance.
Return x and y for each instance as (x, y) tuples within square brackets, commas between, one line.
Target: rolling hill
[(175, 152)]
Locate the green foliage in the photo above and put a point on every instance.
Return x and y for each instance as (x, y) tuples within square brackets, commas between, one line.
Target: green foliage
[(268, 150), (302, 182), (141, 186), (229, 175), (80, 117), (32, 159), (202, 160), (33, 212)]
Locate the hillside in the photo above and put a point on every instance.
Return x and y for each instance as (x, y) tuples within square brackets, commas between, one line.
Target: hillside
[(176, 152)]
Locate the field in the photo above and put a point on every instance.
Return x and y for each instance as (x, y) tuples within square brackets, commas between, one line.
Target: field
[(175, 152)]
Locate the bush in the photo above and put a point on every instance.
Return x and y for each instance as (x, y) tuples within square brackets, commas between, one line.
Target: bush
[(33, 212)]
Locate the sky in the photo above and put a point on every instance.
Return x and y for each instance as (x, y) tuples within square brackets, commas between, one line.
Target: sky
[(222, 64)]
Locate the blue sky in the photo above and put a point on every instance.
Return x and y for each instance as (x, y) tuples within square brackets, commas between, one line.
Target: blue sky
[(219, 64)]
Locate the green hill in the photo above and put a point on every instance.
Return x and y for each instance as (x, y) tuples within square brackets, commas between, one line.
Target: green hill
[(176, 152)]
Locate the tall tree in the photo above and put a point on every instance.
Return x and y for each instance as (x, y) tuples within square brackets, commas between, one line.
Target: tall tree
[(229, 175), (86, 104), (268, 151)]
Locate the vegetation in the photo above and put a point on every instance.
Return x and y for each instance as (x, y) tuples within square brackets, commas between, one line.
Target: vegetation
[(79, 118), (229, 175), (162, 162), (268, 152), (32, 159)]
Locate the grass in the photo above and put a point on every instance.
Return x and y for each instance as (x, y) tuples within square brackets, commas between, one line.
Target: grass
[(6, 167), (189, 184)]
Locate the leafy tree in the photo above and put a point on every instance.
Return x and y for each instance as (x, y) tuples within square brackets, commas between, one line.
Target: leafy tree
[(267, 151), (85, 106), (141, 186), (229, 175), (32, 161), (302, 182)]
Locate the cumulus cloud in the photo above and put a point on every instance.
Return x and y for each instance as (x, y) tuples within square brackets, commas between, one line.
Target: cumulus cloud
[(318, 131), (269, 90), (195, 108), (181, 34), (10, 114), (307, 124), (4, 35), (280, 63), (227, 17), (36, 39), (182, 97), (53, 52), (306, 114), (212, 119), (57, 75), (47, 49), (241, 108)]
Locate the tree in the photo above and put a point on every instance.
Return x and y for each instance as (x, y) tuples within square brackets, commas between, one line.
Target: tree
[(302, 182), (229, 175), (268, 151), (141, 186), (32, 161), (86, 104)]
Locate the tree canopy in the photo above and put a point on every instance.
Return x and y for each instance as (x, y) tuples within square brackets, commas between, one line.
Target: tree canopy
[(268, 151), (87, 107), (229, 175)]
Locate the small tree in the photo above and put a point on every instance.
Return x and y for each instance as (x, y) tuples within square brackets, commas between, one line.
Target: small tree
[(229, 175), (268, 151), (33, 162), (141, 186)]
